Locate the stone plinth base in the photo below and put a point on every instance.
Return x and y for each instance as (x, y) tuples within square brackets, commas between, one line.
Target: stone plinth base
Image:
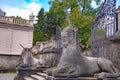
[(67, 78), (79, 78), (28, 71)]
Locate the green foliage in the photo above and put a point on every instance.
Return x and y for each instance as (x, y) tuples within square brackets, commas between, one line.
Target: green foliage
[(40, 22), (81, 15), (38, 35), (18, 17), (40, 29)]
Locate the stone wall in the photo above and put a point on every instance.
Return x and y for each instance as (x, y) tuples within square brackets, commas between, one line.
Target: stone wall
[(47, 51), (49, 58), (9, 62)]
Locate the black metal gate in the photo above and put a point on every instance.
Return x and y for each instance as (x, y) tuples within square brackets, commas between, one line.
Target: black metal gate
[(104, 28)]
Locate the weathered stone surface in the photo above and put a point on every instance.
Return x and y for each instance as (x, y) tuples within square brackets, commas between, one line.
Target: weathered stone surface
[(68, 78), (42, 74), (27, 71), (79, 78), (116, 37), (38, 77), (30, 61), (73, 64), (9, 62), (7, 76), (30, 65), (28, 78)]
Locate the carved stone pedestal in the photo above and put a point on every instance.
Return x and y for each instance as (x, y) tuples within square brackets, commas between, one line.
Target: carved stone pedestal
[(79, 78), (27, 71), (70, 78), (110, 79)]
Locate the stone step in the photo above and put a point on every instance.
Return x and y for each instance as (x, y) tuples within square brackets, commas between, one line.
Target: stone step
[(37, 77), (44, 71), (28, 78), (42, 74)]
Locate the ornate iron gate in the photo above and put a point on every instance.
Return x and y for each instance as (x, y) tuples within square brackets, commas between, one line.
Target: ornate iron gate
[(104, 28)]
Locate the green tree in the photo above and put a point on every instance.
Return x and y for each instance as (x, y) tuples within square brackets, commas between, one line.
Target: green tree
[(45, 27), (40, 28), (81, 16), (40, 21), (37, 35)]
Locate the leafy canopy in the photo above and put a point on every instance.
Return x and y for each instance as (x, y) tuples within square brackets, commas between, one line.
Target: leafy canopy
[(81, 15)]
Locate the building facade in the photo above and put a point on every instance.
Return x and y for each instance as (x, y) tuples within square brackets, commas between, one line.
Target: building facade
[(13, 32)]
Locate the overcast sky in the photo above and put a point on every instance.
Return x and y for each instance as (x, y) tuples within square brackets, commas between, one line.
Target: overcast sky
[(24, 8)]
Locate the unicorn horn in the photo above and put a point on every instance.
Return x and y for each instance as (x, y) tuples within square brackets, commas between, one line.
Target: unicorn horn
[(22, 46)]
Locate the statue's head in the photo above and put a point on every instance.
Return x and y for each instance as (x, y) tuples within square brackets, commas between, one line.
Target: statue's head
[(26, 55), (68, 36)]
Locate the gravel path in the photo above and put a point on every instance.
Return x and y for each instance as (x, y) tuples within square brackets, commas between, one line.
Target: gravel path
[(7, 76)]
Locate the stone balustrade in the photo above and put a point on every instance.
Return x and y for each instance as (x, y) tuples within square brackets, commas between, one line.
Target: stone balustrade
[(48, 43), (15, 20)]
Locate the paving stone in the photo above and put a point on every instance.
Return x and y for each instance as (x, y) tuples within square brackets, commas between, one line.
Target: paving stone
[(7, 76)]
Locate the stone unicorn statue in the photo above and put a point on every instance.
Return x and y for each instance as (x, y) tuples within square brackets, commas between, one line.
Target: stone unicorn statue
[(73, 64), (29, 60)]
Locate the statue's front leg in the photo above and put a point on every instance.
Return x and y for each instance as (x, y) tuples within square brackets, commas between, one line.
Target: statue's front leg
[(74, 71), (74, 74), (60, 71)]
